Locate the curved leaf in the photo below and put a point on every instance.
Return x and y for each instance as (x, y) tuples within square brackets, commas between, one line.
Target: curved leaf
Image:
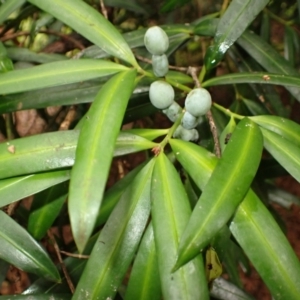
[(56, 73), (170, 213), (118, 241), (144, 281), (232, 24), (14, 189), (94, 154), (38, 297), (19, 249), (275, 260), (89, 23), (284, 151), (225, 190), (288, 129)]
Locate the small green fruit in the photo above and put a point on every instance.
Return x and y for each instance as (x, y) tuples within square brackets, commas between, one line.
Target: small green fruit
[(198, 102), (189, 121), (161, 94), (156, 40), (160, 65), (173, 111), (186, 134)]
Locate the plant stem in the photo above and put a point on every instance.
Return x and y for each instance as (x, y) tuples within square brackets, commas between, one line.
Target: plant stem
[(227, 112)]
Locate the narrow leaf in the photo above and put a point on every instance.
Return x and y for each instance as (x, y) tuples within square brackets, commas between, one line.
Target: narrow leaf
[(118, 241), (19, 249), (38, 297), (94, 154), (144, 281), (14, 189), (170, 213), (225, 190), (8, 7), (91, 24), (232, 24), (275, 260), (56, 73), (284, 127), (284, 151)]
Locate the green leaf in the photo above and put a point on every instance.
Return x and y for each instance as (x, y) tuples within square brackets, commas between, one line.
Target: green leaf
[(14, 189), (170, 214), (8, 7), (48, 151), (170, 5), (94, 154), (284, 151), (128, 5), (118, 241), (225, 190), (232, 24), (275, 260), (266, 246), (24, 54), (19, 249), (84, 19), (226, 133), (268, 57), (257, 77), (149, 134), (289, 50), (113, 195), (284, 127), (213, 266), (45, 208), (56, 73), (38, 297), (144, 281)]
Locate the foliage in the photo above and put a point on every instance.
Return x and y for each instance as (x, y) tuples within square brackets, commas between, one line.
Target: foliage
[(188, 200)]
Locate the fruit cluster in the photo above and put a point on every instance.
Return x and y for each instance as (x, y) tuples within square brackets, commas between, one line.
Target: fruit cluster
[(162, 95)]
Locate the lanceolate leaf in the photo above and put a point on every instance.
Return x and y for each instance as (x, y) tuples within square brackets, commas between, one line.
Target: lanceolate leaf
[(55, 150), (38, 297), (14, 189), (94, 154), (9, 7), (284, 151), (144, 281), (268, 57), (56, 73), (284, 127), (118, 241), (232, 24), (256, 77), (275, 260), (170, 213), (19, 249), (225, 190), (91, 24)]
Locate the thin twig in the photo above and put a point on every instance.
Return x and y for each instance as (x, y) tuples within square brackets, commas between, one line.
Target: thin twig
[(209, 116), (64, 269), (79, 256), (103, 9)]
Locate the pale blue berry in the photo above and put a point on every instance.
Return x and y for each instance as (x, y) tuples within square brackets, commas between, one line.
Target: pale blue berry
[(161, 94), (198, 102)]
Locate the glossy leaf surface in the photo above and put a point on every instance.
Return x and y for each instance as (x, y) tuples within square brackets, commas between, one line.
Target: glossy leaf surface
[(56, 73), (91, 24), (94, 154), (118, 241), (232, 24), (14, 189), (144, 281), (227, 187), (284, 151), (170, 213), (261, 228), (19, 249)]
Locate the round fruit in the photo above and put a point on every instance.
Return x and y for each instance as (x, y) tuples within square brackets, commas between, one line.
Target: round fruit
[(198, 102), (156, 40), (186, 134), (173, 111), (161, 94), (189, 121), (160, 65)]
